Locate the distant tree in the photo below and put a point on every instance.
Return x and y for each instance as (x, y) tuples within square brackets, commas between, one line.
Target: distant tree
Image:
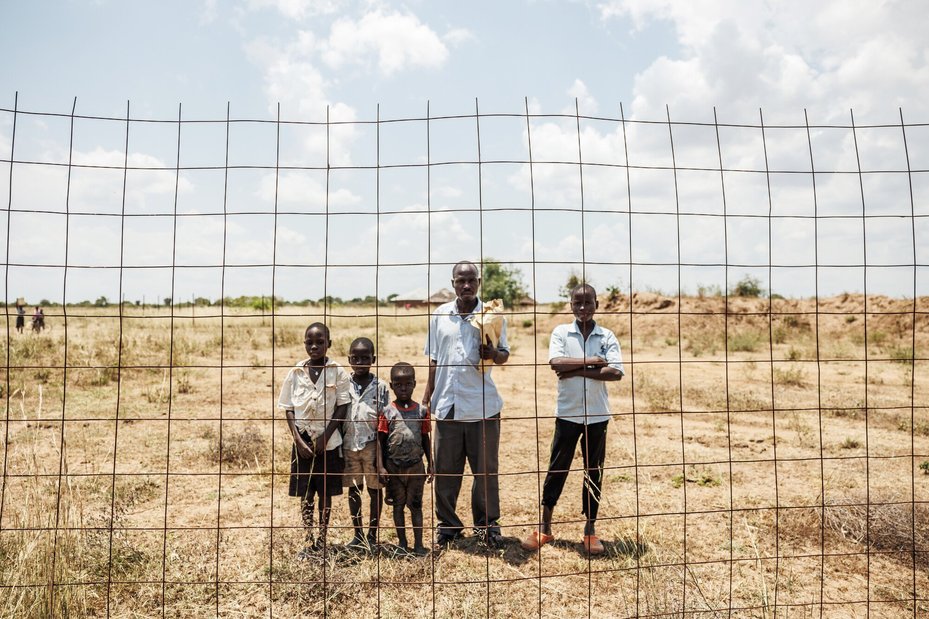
[(748, 286), (500, 282), (575, 279), (168, 301), (101, 302), (261, 304)]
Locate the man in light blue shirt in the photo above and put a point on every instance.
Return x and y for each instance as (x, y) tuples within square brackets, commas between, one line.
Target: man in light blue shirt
[(584, 356), (466, 406)]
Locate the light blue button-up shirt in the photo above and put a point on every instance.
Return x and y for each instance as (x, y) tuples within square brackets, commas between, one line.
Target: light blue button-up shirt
[(580, 399), (454, 345)]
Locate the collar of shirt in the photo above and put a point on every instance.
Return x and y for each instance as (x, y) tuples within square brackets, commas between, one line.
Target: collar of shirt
[(304, 365), (574, 328), (405, 409), (452, 309), (359, 390)]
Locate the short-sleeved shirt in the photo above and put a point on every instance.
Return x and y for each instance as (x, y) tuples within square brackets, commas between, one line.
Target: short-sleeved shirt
[(367, 404), (454, 344), (404, 428), (314, 404), (584, 400)]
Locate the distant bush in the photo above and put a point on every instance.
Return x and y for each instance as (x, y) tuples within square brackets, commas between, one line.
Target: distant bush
[(748, 286)]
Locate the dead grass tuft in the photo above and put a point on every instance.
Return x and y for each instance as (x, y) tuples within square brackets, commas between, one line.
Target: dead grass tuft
[(245, 448)]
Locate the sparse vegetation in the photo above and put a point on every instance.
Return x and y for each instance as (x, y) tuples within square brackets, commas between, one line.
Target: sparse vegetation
[(243, 448), (850, 443), (698, 476), (744, 341), (748, 286)]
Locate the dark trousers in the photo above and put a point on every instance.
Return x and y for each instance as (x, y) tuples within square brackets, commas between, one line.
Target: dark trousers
[(593, 450), (479, 443)]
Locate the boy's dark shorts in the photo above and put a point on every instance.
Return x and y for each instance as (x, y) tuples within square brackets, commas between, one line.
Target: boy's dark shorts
[(317, 476), (405, 484)]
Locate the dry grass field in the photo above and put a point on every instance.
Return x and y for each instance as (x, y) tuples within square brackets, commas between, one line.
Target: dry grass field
[(759, 465)]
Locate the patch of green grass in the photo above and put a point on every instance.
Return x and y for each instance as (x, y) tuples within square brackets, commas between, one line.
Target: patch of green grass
[(744, 341), (901, 354), (850, 443), (792, 376), (701, 477)]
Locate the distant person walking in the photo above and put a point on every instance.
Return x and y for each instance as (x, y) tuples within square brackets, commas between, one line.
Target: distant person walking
[(20, 316), (38, 320)]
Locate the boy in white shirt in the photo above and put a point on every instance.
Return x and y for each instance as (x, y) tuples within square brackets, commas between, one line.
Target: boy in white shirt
[(315, 397), (584, 356)]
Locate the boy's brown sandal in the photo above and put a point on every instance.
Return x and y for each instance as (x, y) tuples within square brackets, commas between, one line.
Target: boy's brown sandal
[(593, 545), (536, 540)]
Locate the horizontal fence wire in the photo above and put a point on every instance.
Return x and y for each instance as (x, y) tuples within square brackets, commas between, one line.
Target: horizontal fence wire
[(767, 450)]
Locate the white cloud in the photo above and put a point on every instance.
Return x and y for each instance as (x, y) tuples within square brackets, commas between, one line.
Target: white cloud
[(397, 40), (297, 9), (458, 36), (586, 104), (785, 56)]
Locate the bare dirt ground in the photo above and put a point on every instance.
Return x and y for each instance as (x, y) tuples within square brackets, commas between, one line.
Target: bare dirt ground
[(763, 461)]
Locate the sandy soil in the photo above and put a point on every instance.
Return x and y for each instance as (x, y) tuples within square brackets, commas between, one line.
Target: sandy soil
[(763, 458)]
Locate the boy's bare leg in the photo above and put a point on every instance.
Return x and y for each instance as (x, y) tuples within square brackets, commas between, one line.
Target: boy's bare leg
[(325, 509), (416, 519), (354, 507), (546, 527), (306, 515), (377, 500), (400, 524)]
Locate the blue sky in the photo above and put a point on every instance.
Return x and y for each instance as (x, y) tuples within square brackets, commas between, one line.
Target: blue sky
[(351, 57)]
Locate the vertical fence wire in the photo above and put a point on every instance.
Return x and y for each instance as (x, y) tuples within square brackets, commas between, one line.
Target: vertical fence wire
[(535, 352), (62, 462), (119, 366), (7, 396), (177, 182), (867, 407), (912, 361), (273, 394), (680, 355), (772, 394), (731, 506)]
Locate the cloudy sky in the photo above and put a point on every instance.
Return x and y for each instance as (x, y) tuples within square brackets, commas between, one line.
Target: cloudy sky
[(501, 84)]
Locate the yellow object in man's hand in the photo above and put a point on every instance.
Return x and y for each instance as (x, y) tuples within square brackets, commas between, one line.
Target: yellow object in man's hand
[(490, 323)]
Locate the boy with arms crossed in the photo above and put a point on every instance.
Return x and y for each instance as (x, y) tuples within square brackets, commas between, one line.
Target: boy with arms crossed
[(585, 356), (363, 465), (404, 435), (315, 397)]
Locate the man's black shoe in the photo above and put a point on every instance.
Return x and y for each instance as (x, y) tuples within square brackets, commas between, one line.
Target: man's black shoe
[(442, 540), (494, 540)]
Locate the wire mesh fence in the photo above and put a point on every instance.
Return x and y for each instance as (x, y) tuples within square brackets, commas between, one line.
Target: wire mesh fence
[(767, 451)]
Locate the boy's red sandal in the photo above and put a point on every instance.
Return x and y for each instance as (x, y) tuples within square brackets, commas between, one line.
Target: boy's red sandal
[(536, 540), (593, 545)]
